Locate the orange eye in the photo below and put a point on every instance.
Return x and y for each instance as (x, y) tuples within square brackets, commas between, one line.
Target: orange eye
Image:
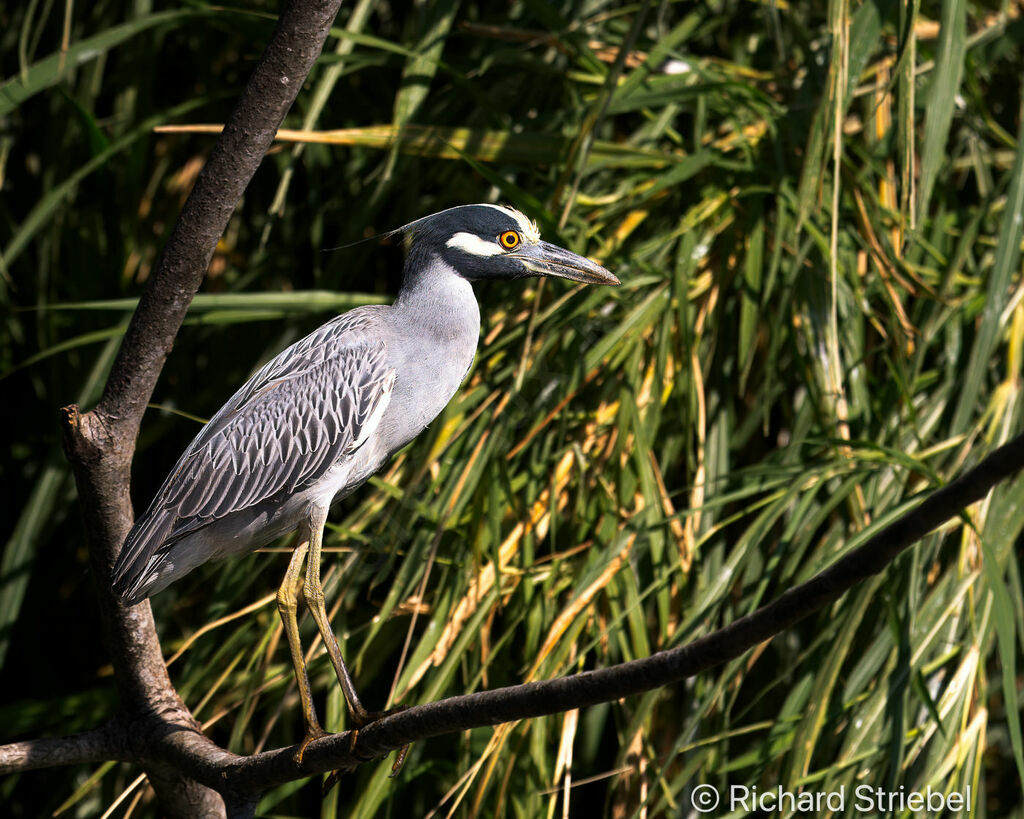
[(509, 240)]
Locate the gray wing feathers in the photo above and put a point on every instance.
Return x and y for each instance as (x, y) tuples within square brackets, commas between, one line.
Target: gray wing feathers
[(304, 411), (286, 436)]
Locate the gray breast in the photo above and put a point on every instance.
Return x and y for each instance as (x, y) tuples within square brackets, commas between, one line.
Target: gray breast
[(431, 345)]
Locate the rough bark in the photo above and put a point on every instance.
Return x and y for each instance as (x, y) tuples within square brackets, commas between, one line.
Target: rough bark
[(100, 443)]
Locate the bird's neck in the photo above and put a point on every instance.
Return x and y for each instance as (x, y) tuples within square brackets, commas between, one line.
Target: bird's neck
[(438, 299)]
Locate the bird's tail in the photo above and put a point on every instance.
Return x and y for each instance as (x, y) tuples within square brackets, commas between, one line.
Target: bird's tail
[(133, 569)]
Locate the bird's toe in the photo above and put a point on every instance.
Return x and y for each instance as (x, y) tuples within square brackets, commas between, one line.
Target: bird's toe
[(312, 733), (361, 718)]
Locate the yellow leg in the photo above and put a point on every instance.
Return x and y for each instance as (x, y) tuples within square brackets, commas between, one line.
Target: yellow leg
[(287, 606), (314, 594)]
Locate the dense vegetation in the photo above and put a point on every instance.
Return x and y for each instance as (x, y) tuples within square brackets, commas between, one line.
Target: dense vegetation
[(817, 217)]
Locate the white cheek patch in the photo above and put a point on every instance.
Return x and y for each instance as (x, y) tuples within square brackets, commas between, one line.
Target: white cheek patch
[(474, 245)]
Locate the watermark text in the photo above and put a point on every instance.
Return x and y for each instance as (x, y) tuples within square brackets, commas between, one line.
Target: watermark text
[(863, 798)]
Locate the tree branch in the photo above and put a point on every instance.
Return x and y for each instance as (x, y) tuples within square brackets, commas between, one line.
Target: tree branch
[(242, 779), (666, 667), (97, 745), (248, 132), (100, 443)]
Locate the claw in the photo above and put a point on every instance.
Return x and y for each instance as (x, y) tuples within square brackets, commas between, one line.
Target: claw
[(373, 717), (335, 776), (332, 780), (311, 734), (361, 720), (399, 761)]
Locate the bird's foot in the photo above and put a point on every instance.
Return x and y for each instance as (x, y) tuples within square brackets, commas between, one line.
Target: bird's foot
[(365, 718), (362, 718), (312, 733)]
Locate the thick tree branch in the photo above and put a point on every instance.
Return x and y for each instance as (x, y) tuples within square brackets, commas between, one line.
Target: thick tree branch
[(296, 43), (100, 443)]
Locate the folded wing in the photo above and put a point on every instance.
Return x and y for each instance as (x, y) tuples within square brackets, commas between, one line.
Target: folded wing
[(305, 411)]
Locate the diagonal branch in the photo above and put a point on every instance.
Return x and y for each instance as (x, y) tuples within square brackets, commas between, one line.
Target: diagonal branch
[(666, 667), (100, 443), (249, 131), (242, 779)]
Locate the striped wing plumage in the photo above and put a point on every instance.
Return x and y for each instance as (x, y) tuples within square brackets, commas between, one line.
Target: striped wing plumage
[(304, 411)]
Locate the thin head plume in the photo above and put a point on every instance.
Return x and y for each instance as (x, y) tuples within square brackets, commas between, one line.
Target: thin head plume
[(385, 235), (388, 234)]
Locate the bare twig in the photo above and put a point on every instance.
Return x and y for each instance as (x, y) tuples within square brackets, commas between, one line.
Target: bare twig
[(665, 667)]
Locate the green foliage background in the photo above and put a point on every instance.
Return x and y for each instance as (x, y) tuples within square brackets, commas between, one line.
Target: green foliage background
[(816, 212)]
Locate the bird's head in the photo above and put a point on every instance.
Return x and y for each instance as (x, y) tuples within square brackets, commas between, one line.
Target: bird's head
[(497, 242)]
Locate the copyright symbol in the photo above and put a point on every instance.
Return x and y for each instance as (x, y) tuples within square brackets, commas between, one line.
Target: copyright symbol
[(704, 798)]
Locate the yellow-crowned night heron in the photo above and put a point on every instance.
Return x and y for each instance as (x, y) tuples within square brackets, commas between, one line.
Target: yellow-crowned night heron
[(323, 416)]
